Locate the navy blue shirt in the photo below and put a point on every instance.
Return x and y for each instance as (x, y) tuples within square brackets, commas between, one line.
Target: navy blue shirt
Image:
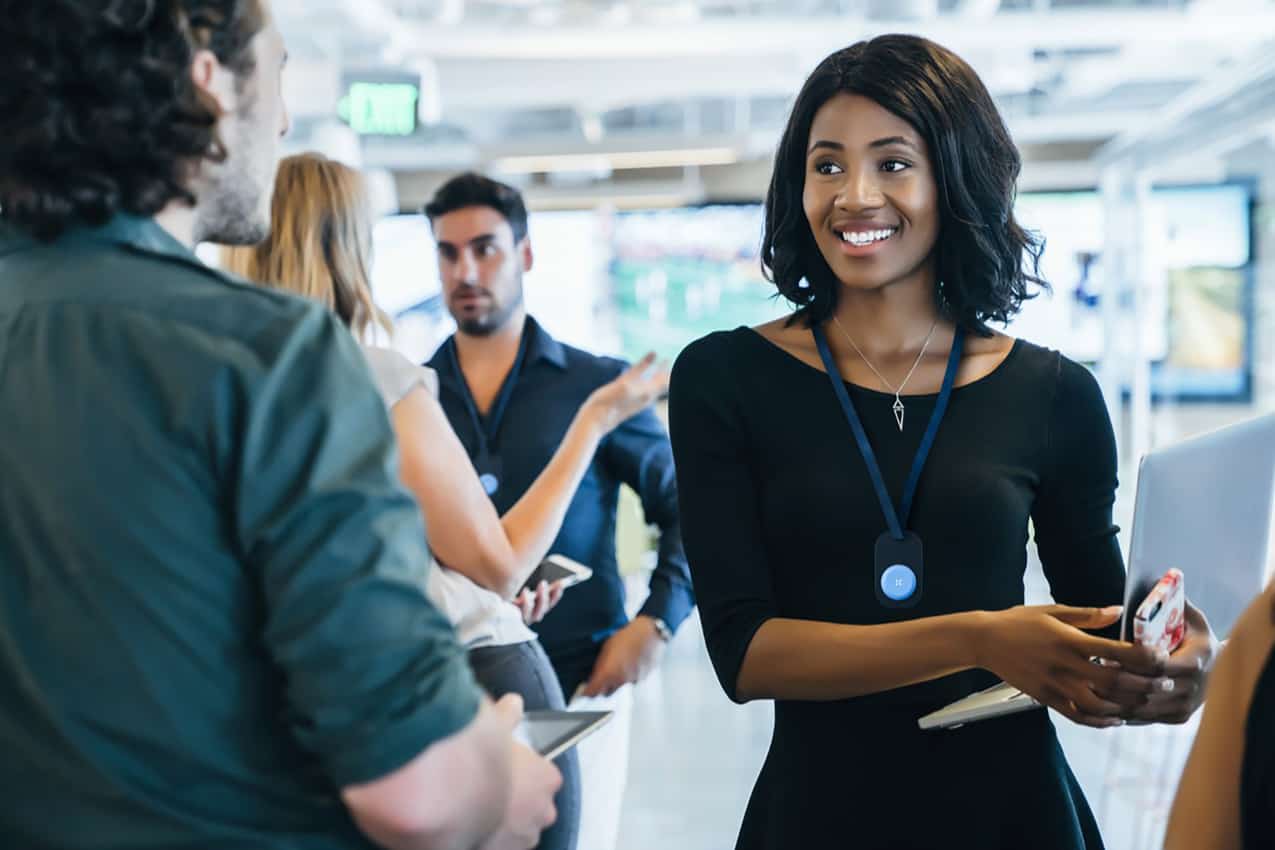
[(554, 380)]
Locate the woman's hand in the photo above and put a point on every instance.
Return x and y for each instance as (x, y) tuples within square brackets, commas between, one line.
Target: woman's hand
[(1180, 691), (640, 386), (1041, 650), (535, 604)]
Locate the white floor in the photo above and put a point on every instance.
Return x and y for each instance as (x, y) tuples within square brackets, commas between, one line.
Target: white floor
[(695, 756)]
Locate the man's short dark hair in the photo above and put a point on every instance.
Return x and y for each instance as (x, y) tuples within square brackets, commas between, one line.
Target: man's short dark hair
[(987, 263), (98, 111), (475, 190)]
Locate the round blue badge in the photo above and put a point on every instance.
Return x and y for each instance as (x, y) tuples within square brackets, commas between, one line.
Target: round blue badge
[(490, 483), (898, 582)]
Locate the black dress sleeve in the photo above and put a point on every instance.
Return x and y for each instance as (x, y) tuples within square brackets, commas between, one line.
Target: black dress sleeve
[(1072, 515), (718, 501)]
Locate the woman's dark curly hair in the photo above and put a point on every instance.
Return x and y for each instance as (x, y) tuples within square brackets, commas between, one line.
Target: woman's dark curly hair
[(985, 260), (98, 112)]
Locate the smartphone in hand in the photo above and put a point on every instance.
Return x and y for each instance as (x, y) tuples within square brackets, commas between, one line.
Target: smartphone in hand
[(1160, 621), (556, 568)]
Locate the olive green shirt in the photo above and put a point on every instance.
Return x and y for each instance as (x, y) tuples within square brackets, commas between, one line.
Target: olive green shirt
[(212, 613)]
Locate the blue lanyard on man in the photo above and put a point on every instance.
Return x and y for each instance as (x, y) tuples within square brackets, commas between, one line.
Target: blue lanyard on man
[(486, 463), (899, 557)]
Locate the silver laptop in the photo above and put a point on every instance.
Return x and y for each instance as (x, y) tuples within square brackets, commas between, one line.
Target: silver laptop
[(1204, 506)]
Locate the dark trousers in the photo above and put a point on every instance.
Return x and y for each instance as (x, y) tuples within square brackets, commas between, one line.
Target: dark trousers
[(524, 669)]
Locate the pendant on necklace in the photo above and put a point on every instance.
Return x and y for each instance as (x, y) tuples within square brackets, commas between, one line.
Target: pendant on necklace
[(898, 412)]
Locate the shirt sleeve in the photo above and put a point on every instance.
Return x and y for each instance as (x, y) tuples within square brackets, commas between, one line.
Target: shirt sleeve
[(372, 671), (396, 376), (1072, 515), (719, 506), (640, 455)]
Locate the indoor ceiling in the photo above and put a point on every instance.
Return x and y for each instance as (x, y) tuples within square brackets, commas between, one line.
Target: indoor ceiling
[(563, 78)]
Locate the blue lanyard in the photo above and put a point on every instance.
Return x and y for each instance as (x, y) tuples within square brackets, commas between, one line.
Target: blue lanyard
[(486, 432), (896, 522)]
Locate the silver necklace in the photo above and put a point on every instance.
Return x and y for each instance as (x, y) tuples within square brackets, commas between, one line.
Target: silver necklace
[(898, 392)]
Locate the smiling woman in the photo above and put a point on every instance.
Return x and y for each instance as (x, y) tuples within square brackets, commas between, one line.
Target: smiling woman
[(940, 141), (857, 481)]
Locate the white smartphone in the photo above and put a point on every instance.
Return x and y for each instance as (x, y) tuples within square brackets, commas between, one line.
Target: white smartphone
[(557, 568)]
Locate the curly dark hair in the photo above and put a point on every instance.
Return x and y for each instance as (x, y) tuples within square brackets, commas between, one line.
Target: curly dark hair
[(98, 112), (986, 261)]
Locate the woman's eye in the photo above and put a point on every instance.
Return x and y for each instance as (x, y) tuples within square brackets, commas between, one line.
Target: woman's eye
[(894, 165), (827, 168)]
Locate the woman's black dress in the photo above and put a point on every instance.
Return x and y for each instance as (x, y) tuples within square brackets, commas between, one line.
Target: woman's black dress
[(779, 519)]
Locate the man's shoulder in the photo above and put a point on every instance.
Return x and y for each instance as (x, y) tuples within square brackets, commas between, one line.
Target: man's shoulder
[(172, 297), (587, 366), (214, 301), (103, 273)]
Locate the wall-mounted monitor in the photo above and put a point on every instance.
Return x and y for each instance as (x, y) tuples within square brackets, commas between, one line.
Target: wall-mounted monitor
[(1196, 314)]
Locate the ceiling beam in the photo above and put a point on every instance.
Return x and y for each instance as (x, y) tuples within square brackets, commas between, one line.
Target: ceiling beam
[(1226, 111), (813, 37)]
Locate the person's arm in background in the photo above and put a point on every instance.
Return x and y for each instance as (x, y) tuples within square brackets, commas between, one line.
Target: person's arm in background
[(760, 655), (377, 687), (640, 455), (465, 533), (1206, 810)]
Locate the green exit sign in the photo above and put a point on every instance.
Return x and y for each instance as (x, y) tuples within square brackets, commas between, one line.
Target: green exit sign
[(380, 107)]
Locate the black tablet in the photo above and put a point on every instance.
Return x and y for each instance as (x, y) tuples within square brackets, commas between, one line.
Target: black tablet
[(551, 733)]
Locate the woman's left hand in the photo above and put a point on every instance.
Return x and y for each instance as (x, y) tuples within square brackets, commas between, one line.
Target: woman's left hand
[(1180, 691)]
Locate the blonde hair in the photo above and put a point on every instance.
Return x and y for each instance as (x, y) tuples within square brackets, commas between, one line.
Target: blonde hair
[(320, 241)]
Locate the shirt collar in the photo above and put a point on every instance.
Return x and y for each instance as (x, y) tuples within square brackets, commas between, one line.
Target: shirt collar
[(541, 346), (143, 234)]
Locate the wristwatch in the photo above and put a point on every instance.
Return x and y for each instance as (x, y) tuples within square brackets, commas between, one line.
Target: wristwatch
[(661, 628)]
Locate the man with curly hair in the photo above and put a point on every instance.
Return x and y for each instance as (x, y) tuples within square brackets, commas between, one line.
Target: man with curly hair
[(213, 630)]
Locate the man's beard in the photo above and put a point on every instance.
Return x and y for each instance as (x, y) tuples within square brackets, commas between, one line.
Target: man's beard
[(233, 206), (493, 320)]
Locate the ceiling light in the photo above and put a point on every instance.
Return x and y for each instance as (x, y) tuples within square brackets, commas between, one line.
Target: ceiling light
[(616, 161)]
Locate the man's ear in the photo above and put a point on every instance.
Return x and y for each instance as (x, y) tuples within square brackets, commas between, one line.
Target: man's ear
[(528, 258), (214, 80)]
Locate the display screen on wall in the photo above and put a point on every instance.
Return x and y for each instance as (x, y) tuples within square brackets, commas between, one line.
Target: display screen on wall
[(679, 274), (1196, 317)]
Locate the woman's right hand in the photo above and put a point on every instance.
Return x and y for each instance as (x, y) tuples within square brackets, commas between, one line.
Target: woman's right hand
[(640, 386), (535, 604), (1041, 650)]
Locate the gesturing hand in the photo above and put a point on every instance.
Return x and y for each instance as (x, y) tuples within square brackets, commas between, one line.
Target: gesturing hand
[(640, 386)]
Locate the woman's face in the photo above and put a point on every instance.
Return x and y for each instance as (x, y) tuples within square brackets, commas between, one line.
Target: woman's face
[(870, 194)]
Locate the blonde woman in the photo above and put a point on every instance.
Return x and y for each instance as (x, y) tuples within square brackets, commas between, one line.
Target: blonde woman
[(320, 247)]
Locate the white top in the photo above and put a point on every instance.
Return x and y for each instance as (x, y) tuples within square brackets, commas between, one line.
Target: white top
[(480, 616)]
